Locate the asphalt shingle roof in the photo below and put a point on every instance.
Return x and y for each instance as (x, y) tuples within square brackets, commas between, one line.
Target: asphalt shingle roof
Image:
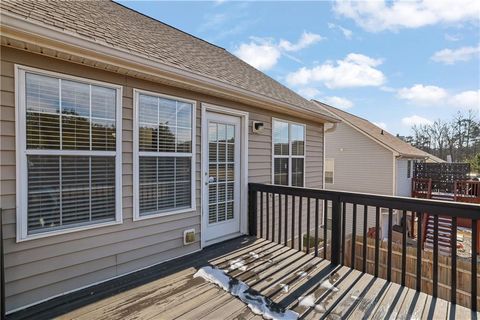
[(376, 133), (114, 25)]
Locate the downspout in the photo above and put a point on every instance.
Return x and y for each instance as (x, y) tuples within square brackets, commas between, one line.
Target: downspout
[(332, 128)]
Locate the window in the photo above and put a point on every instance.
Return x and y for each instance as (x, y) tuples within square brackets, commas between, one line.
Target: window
[(69, 153), (409, 169), (164, 162), (288, 153), (329, 170)]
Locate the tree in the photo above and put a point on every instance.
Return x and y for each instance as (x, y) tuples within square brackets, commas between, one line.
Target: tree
[(459, 137)]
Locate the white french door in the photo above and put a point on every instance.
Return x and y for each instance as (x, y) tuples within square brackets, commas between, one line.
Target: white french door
[(222, 175)]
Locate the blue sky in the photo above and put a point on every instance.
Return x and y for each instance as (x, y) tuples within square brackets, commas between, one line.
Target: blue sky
[(394, 63)]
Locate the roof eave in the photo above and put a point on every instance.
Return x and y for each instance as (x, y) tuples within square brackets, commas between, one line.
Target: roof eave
[(16, 27)]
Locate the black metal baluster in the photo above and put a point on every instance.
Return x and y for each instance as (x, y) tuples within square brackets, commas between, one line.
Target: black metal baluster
[(293, 223), (435, 256), (308, 225), (300, 209), (365, 212), (286, 220), (261, 214), (279, 218), (336, 234), (354, 235), (473, 293), (453, 243), (389, 250), (377, 239), (404, 247), (273, 217), (325, 222), (316, 227), (344, 223), (267, 233), (419, 250), (252, 212)]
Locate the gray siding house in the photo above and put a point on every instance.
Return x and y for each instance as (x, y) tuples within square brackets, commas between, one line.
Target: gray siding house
[(362, 157), (126, 143)]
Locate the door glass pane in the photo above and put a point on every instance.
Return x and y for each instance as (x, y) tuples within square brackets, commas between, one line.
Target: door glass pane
[(230, 133), (221, 171)]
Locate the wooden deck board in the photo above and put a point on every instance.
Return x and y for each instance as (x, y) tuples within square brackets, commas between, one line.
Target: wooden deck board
[(170, 292)]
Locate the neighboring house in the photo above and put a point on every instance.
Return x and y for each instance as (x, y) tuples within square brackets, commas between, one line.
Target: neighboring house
[(362, 157), (126, 142)]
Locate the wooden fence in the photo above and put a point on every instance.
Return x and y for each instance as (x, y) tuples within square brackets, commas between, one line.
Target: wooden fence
[(444, 269)]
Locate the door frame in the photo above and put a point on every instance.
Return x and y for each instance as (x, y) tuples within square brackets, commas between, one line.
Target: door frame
[(207, 107)]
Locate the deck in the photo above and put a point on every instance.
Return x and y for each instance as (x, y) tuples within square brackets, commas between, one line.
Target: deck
[(169, 291)]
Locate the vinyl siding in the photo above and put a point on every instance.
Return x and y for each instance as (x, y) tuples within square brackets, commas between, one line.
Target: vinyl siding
[(363, 166), (41, 268)]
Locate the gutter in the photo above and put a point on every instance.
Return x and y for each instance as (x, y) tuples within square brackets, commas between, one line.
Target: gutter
[(49, 37)]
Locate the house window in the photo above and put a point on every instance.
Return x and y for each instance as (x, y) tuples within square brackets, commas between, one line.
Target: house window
[(70, 153), (288, 153), (409, 169), (164, 161), (329, 170)]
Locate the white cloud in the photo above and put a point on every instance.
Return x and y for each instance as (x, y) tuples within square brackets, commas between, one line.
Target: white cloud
[(309, 92), (382, 15), (338, 102), (262, 56), (264, 53), (423, 95), (449, 56), (356, 70), (452, 37), (428, 95), (466, 99), (382, 125), (347, 33), (306, 40), (415, 121)]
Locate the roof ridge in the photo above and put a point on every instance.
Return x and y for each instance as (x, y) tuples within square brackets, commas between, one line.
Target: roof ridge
[(168, 25), (345, 117), (356, 116)]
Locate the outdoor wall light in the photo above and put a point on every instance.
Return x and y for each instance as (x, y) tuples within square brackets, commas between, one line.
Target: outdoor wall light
[(258, 127)]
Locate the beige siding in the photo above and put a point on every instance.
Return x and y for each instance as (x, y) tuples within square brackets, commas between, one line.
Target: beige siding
[(42, 268), (360, 165)]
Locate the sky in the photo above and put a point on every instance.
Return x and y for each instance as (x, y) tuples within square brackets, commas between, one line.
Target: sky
[(394, 63)]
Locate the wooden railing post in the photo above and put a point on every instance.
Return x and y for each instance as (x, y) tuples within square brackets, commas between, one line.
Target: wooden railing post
[(336, 231), (252, 211)]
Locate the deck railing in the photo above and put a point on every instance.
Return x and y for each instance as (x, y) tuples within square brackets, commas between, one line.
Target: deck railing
[(292, 215)]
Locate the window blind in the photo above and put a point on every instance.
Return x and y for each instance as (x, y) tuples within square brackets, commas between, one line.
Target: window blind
[(65, 188), (164, 154)]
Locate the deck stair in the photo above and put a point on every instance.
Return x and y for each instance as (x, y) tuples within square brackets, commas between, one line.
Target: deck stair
[(444, 234)]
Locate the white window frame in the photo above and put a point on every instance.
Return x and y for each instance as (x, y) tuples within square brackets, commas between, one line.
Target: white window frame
[(137, 153), (333, 170), (22, 152), (290, 156)]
